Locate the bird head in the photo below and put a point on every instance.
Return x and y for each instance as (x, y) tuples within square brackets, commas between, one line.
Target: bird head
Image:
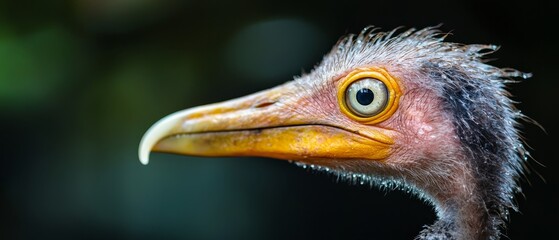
[(386, 108)]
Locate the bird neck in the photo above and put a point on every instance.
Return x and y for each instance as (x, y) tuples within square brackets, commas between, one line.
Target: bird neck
[(465, 217), (463, 213)]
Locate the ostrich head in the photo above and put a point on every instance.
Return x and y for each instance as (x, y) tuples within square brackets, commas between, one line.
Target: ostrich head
[(398, 110)]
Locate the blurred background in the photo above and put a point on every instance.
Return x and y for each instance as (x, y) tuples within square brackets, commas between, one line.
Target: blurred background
[(81, 81)]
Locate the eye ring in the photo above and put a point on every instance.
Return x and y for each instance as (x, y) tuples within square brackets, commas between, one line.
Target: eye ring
[(366, 97), (373, 112)]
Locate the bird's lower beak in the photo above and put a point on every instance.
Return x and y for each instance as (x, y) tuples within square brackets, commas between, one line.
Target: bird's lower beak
[(265, 124)]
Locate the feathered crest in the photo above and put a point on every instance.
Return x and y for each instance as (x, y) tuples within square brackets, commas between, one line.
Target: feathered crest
[(410, 48)]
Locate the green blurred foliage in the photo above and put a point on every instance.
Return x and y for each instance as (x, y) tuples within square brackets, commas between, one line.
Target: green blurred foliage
[(36, 66)]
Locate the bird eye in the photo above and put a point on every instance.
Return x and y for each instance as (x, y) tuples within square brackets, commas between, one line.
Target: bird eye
[(366, 97)]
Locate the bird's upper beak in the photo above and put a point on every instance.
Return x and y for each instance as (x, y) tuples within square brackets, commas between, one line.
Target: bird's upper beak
[(274, 123)]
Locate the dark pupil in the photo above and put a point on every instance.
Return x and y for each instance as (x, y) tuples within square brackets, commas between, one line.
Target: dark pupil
[(365, 96)]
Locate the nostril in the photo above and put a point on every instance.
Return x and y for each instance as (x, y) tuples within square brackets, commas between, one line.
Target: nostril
[(263, 104)]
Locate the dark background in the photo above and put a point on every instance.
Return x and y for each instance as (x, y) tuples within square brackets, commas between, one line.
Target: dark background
[(81, 81)]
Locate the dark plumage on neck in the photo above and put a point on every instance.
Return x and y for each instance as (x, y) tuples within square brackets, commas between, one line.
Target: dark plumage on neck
[(485, 123)]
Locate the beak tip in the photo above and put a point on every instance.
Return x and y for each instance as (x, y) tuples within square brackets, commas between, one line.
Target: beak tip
[(144, 161), (158, 131), (144, 156)]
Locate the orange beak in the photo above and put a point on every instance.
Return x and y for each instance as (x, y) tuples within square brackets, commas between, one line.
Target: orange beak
[(274, 123)]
